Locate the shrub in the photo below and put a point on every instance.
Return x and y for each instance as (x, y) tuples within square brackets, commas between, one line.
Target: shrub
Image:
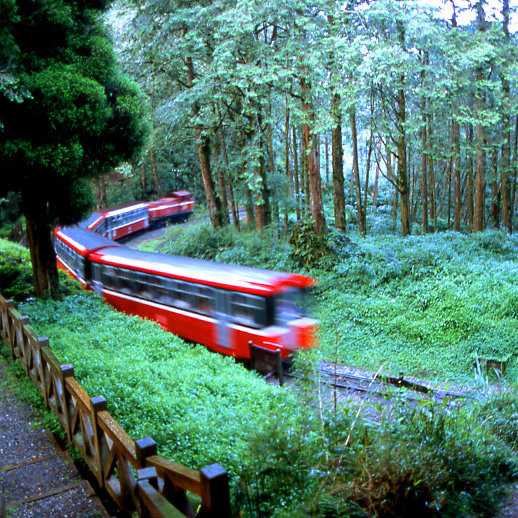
[(15, 271)]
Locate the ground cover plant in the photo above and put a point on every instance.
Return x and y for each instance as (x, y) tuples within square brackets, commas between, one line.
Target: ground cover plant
[(289, 452), (293, 453), (15, 271), (427, 305)]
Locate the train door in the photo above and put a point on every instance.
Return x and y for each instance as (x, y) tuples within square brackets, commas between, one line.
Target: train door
[(222, 316)]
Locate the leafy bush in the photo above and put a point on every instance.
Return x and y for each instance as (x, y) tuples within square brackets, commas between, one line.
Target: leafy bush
[(15, 271), (227, 245)]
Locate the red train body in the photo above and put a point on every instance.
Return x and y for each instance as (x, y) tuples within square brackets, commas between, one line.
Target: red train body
[(221, 306), (176, 205), (121, 221)]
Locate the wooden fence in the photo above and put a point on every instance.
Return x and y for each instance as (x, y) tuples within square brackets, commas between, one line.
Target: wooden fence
[(138, 480)]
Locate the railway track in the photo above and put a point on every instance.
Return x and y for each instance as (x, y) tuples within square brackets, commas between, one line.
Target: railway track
[(338, 377), (384, 385)]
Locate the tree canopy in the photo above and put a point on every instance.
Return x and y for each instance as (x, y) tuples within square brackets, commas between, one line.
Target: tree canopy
[(267, 92), (66, 115)]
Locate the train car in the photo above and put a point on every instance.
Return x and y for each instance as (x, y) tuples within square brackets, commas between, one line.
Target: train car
[(223, 307), (174, 206), (73, 247), (118, 222)]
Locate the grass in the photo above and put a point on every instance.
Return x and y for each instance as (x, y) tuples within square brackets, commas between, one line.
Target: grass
[(427, 305)]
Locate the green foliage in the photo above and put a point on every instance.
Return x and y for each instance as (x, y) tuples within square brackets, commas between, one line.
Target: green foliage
[(191, 401), (226, 245), (309, 248), (20, 384), (15, 271), (298, 455), (77, 116), (425, 305)]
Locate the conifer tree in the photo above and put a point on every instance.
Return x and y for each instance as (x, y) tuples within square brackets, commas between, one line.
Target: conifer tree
[(68, 116)]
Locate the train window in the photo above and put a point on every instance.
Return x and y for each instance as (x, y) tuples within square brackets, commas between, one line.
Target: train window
[(126, 281), (109, 278), (248, 310), (202, 299), (166, 288), (145, 286), (293, 303), (74, 260), (182, 296)]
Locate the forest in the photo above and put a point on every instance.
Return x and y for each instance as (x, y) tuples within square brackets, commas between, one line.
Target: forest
[(371, 145), (275, 104)]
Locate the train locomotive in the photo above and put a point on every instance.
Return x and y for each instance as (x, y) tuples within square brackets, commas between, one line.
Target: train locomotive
[(221, 306)]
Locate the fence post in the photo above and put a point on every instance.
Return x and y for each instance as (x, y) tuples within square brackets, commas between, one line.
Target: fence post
[(98, 404), (215, 494), (65, 371), (145, 448), (5, 328)]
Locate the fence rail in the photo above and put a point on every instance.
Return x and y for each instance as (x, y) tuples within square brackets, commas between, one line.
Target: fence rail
[(137, 479)]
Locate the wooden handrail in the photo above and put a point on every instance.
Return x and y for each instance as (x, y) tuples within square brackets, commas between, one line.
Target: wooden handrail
[(159, 489)]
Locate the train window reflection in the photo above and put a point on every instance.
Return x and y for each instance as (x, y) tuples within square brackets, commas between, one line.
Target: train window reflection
[(291, 304), (249, 310)]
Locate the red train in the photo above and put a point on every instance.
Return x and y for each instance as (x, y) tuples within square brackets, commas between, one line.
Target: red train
[(221, 306), (123, 220)]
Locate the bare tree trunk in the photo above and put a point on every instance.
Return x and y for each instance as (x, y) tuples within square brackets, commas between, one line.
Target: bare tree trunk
[(456, 173), (356, 171), (402, 178), (506, 122), (338, 164), (296, 172), (469, 195), (424, 160), (495, 190), (480, 156), (43, 256), (155, 173), (402, 171), (222, 187), (203, 147), (230, 190), (288, 179)]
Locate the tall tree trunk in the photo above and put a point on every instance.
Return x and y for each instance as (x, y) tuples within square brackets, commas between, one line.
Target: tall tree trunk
[(155, 173), (230, 190), (317, 211), (338, 164), (470, 199), (43, 256), (296, 172), (356, 171), (288, 179), (143, 178), (203, 147), (495, 190), (424, 164), (506, 123), (456, 173), (480, 156), (402, 174), (402, 171), (222, 181), (101, 190), (213, 202)]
